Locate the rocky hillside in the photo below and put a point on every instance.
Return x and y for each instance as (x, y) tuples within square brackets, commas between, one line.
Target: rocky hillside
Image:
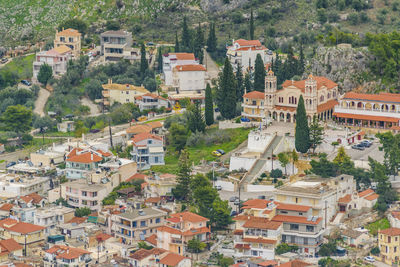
[(346, 66)]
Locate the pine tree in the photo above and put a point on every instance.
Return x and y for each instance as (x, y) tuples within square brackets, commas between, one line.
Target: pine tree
[(302, 134), (259, 74), (316, 133), (212, 39), (144, 65), (182, 190), (160, 60), (247, 83), (251, 26), (177, 48), (301, 62), (186, 38), (209, 109), (240, 83), (226, 93), (45, 74), (196, 119)]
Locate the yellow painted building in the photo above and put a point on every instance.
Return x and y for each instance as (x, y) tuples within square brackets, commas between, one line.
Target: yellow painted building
[(253, 106), (122, 93), (389, 245), (70, 38)]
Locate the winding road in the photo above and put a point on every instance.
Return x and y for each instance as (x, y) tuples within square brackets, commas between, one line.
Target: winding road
[(41, 101)]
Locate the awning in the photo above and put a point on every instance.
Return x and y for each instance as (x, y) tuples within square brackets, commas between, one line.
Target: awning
[(365, 117), (156, 149)]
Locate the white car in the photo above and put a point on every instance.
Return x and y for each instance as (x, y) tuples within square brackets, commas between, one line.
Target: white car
[(369, 259)]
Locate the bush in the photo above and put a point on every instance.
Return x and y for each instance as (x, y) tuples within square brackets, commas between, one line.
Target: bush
[(375, 251), (353, 18), (276, 173)]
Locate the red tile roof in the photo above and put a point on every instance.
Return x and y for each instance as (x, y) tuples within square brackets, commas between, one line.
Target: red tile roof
[(69, 32), (36, 198), (140, 254), (153, 200), (295, 219), (191, 67), (66, 252), (261, 223), (254, 95), (284, 108), (139, 176), (243, 42), (366, 192), (255, 204), (190, 216), (293, 207), (196, 231), (268, 263), (73, 152), (238, 232), (152, 239), (391, 231), (155, 124), (241, 217), (143, 136), (169, 230), (396, 214), (259, 240), (19, 227), (139, 128), (150, 95), (26, 199), (365, 117), (327, 106), (103, 237), (345, 199), (86, 157), (184, 56), (321, 82), (78, 220), (372, 197), (6, 206), (103, 153), (9, 245), (242, 246), (172, 259), (381, 97), (295, 263)]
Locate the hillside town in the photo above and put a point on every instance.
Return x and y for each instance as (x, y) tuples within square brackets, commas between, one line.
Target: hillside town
[(128, 152)]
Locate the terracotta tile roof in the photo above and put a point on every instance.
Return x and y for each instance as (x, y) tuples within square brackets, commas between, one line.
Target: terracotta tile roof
[(78, 220), (327, 106), (61, 49), (293, 207), (73, 152), (190, 216), (103, 237), (365, 117), (238, 232), (295, 263), (381, 97), (66, 252), (125, 87), (69, 32), (321, 82), (196, 231), (396, 214), (152, 239), (372, 197), (242, 246), (295, 219), (150, 95), (184, 56), (191, 67), (139, 176), (169, 230), (104, 153), (143, 136), (144, 253), (36, 198), (172, 259), (26, 199), (153, 200), (284, 108), (243, 42), (9, 245), (261, 223), (86, 157), (155, 124), (6, 206), (268, 263), (259, 240), (345, 199), (255, 204), (254, 95), (241, 217), (366, 192), (173, 220), (19, 227), (390, 231), (251, 48)]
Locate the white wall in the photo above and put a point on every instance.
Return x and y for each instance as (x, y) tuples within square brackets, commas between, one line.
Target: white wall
[(257, 142), (226, 186), (260, 188), (237, 163)]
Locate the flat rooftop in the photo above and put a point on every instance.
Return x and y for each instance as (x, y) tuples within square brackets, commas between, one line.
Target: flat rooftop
[(147, 213)]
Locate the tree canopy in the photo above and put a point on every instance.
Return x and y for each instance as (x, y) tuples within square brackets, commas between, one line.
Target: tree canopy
[(302, 134)]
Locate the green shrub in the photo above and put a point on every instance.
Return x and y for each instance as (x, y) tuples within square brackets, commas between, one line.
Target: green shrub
[(276, 173)]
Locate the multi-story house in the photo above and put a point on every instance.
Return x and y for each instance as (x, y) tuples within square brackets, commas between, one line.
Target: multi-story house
[(179, 229), (80, 163), (60, 255), (49, 217), (70, 38), (160, 185), (115, 45), (27, 235), (171, 60), (321, 194), (57, 58), (159, 257), (10, 249), (121, 93), (138, 224), (244, 52), (148, 150), (15, 185), (80, 194), (300, 228), (369, 110), (5, 210), (389, 245), (189, 78), (253, 106), (151, 101)]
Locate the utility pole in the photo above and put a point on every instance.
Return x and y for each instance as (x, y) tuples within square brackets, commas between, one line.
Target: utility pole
[(109, 129), (326, 216)]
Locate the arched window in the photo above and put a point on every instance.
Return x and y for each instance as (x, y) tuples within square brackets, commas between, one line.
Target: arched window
[(334, 94), (321, 99), (329, 96), (295, 100)]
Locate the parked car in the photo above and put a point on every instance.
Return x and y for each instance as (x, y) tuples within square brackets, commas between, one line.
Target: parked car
[(218, 187), (94, 130), (4, 60), (69, 116), (221, 151), (216, 109), (216, 153), (369, 259), (12, 163), (244, 119), (25, 82), (233, 199), (358, 147), (233, 213), (237, 202), (366, 143)]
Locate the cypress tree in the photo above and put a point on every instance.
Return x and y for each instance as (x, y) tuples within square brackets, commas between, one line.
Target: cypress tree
[(259, 74), (177, 48), (251, 26), (160, 60), (196, 119), (226, 93), (240, 82), (198, 44), (182, 190), (186, 40), (212, 39), (144, 65), (209, 109), (247, 83), (302, 134)]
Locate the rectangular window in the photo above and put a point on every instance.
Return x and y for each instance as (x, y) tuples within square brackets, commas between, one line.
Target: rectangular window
[(310, 228), (134, 224), (158, 220), (84, 193), (94, 194), (143, 223), (70, 39), (294, 227)]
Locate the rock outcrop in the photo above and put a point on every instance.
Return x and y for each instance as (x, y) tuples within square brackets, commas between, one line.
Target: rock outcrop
[(344, 65)]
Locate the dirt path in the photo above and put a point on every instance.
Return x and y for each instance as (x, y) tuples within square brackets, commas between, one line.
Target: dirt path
[(212, 68), (41, 101), (94, 109)]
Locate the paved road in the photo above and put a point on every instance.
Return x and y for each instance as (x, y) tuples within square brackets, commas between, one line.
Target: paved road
[(94, 109), (41, 101), (362, 155)]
